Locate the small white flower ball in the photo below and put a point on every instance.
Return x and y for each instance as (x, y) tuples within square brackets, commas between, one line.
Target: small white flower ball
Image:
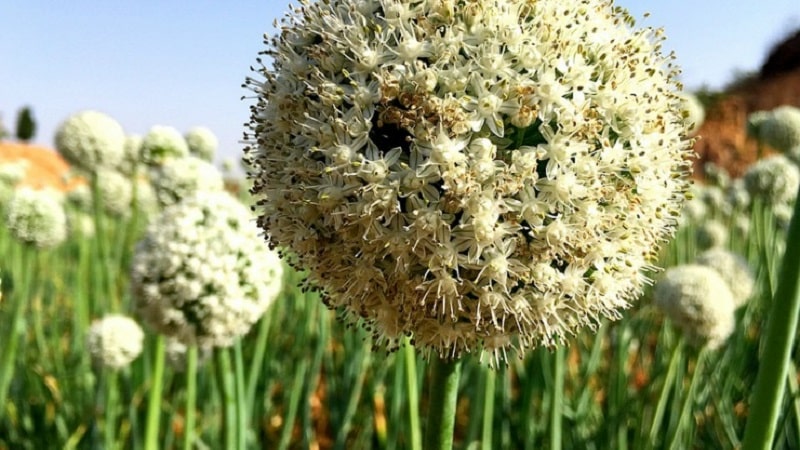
[(162, 143), (179, 178), (90, 140), (774, 180), (114, 341), (781, 128), (202, 143), (733, 269), (698, 300), (37, 217), (116, 192), (202, 274)]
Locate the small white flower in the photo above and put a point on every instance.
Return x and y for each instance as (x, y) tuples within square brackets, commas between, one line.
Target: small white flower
[(774, 180), (202, 143), (698, 300), (178, 178), (780, 129), (114, 341), (202, 274), (36, 217), (733, 269), (90, 140), (161, 143)]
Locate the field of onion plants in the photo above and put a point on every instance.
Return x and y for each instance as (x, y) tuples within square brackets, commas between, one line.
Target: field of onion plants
[(86, 364), (477, 239)]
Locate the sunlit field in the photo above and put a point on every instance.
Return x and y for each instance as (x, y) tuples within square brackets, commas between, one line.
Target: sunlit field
[(299, 379), (490, 219)]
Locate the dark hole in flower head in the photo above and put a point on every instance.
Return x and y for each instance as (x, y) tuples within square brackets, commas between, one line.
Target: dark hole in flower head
[(387, 136)]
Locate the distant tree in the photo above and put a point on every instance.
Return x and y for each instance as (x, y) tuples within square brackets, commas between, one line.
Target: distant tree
[(26, 126)]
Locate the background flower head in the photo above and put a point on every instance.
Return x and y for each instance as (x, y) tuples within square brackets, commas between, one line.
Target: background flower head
[(202, 143), (477, 176), (179, 178), (202, 274), (90, 140), (161, 143), (697, 299), (114, 341), (37, 217), (734, 269)]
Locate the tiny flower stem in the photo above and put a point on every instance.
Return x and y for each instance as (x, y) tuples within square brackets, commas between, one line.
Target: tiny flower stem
[(773, 369), (443, 393)]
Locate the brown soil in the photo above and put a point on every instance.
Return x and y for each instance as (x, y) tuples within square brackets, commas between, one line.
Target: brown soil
[(46, 167), (723, 137)]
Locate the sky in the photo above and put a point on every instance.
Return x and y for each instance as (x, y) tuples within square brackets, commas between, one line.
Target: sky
[(182, 63)]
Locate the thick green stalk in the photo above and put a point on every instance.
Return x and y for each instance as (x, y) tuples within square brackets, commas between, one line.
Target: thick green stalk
[(191, 397), (774, 363), (154, 400), (442, 394), (410, 363)]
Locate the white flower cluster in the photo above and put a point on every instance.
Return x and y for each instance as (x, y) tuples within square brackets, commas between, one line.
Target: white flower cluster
[(698, 300), (780, 129), (202, 143), (733, 269), (162, 143), (116, 192), (202, 274), (479, 175), (774, 180), (37, 217), (132, 156), (178, 178), (90, 140), (114, 341)]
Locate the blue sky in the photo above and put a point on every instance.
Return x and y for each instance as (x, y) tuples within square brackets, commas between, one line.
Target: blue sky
[(182, 63)]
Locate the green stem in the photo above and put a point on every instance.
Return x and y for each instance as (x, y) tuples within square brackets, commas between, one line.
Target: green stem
[(227, 389), (443, 394), (410, 363), (18, 299), (111, 400), (257, 362), (191, 396), (154, 399), (241, 404), (488, 408), (780, 332), (556, 411)]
